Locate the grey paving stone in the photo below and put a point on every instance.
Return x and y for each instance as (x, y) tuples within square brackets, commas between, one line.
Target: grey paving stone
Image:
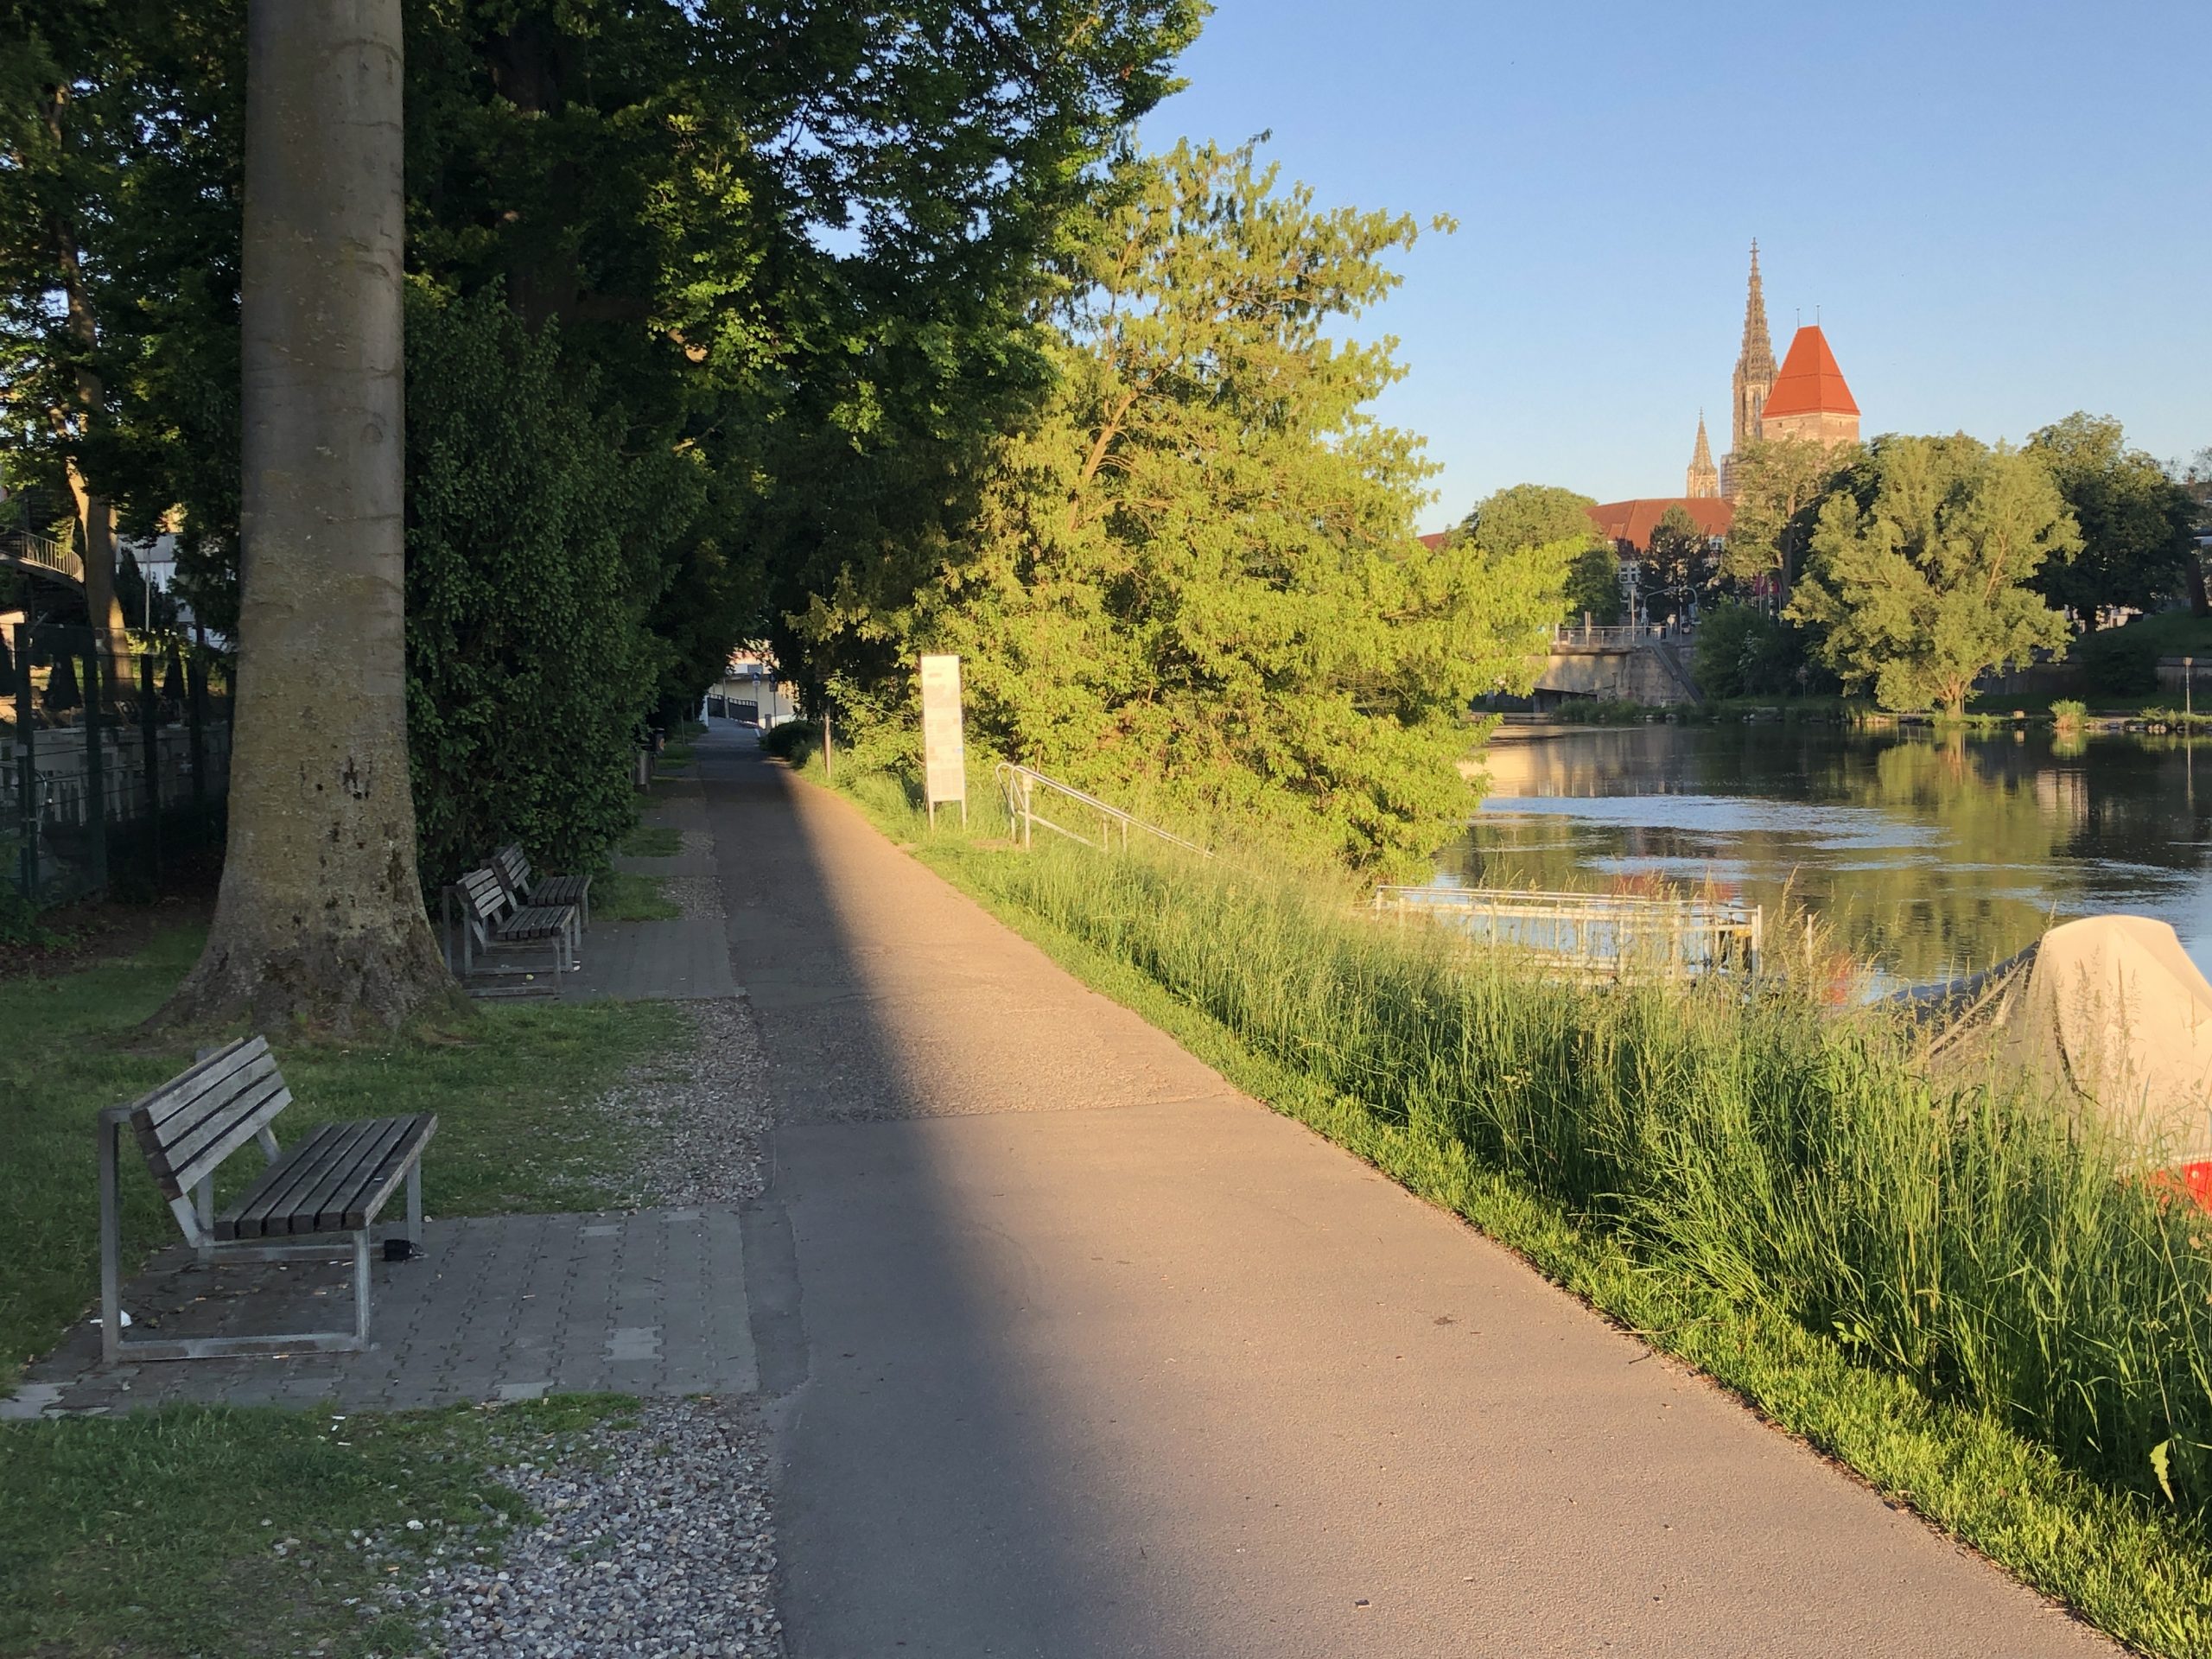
[(648, 1303)]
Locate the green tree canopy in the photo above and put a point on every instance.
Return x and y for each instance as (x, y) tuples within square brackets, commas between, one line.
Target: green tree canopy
[(1779, 485), (1524, 517), (1531, 515), (2136, 522), (1194, 579), (1922, 566), (1678, 568)]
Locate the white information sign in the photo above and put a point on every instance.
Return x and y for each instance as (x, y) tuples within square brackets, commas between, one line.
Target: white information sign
[(944, 752)]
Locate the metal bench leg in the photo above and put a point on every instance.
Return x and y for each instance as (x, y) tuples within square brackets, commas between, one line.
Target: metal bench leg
[(203, 1206), (414, 1204), (361, 1287), (111, 1246)]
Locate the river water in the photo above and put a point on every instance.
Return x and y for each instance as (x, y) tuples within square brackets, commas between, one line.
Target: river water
[(1927, 854)]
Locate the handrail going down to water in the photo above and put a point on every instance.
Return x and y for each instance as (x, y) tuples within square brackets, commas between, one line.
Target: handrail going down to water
[(1597, 932), (1018, 785)]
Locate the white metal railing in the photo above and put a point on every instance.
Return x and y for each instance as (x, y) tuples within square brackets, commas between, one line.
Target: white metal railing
[(26, 547), (1019, 785), (1615, 637), (1597, 932)]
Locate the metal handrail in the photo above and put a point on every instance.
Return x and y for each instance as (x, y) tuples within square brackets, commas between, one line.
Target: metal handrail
[(1018, 785), (27, 547), (1593, 927)]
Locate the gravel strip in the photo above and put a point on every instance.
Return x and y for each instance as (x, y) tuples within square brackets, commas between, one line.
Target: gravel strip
[(702, 1115), (656, 1540), (698, 897)]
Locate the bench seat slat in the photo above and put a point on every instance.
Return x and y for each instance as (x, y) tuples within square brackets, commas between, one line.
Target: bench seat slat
[(560, 890), (378, 1183), (321, 1206), (275, 1192), (539, 922), (335, 1181)]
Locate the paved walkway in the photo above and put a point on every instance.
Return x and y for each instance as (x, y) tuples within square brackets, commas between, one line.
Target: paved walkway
[(1074, 1350), (510, 1308)]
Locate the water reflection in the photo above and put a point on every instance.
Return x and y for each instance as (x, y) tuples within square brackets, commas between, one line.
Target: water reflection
[(1930, 853)]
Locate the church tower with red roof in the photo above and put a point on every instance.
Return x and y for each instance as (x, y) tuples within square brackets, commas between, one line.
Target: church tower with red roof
[(1809, 399)]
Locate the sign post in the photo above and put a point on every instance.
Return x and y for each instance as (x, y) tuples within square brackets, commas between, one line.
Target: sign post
[(945, 756)]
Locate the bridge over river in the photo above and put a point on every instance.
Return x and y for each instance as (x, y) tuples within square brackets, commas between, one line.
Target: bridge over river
[(1644, 663)]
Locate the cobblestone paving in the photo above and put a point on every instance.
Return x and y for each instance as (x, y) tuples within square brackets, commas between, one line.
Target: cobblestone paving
[(504, 1308)]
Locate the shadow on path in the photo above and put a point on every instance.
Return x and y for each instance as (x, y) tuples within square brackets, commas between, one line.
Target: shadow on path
[(1072, 1350)]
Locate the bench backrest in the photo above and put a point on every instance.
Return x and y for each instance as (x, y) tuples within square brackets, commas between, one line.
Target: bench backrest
[(482, 897), (195, 1120), (514, 865)]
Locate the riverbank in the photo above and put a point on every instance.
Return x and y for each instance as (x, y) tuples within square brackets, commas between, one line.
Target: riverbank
[(1944, 1301)]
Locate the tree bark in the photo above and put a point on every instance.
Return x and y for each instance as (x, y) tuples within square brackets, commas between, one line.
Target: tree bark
[(321, 915)]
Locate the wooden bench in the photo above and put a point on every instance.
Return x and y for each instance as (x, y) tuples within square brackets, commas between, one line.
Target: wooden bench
[(486, 918), (511, 866), (333, 1183)]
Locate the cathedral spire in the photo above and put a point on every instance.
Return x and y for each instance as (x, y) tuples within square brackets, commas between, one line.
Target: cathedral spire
[(1704, 476), (1755, 370)]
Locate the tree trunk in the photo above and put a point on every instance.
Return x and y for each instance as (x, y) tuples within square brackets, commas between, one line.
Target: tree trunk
[(321, 915)]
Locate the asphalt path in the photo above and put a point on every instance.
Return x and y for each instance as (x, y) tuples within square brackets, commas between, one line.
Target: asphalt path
[(1070, 1349)]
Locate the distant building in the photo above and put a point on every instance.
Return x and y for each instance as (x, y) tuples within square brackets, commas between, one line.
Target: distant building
[(1805, 398), (1628, 524), (1809, 399), (1704, 478), (1754, 376)]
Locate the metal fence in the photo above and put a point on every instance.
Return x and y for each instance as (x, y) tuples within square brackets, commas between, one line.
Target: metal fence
[(114, 759), (1600, 935)]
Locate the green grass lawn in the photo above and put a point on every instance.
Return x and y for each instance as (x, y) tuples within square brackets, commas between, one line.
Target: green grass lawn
[(512, 1088), (653, 841), (193, 1530), (621, 896)]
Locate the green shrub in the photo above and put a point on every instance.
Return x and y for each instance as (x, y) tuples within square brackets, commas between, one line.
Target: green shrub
[(2068, 713), (2116, 663), (795, 740), (530, 666)]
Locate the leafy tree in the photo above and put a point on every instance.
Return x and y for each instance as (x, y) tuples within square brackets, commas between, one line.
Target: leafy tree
[(531, 664), (1741, 652), (1523, 517), (1593, 585), (1195, 579), (321, 915), (1922, 563), (1531, 515), (2136, 522), (1779, 484), (1679, 566)]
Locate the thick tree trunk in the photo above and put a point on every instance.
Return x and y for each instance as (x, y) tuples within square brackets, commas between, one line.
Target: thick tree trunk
[(321, 916)]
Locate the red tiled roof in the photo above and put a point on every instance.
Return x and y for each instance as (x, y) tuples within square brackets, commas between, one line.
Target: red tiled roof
[(1634, 521), (1435, 540), (1810, 383)]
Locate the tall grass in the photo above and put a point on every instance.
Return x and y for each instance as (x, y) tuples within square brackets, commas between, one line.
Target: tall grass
[(1794, 1165)]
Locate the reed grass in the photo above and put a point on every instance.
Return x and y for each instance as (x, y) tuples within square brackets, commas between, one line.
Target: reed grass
[(1949, 1285)]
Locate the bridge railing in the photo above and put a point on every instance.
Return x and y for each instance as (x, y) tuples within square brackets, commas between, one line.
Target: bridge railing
[(42, 553), (1601, 935), (1022, 786), (1616, 637)]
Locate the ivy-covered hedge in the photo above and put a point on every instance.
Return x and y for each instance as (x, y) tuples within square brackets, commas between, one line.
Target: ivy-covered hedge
[(533, 560)]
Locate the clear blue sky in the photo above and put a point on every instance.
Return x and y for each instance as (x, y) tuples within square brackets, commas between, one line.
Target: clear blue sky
[(2003, 213)]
